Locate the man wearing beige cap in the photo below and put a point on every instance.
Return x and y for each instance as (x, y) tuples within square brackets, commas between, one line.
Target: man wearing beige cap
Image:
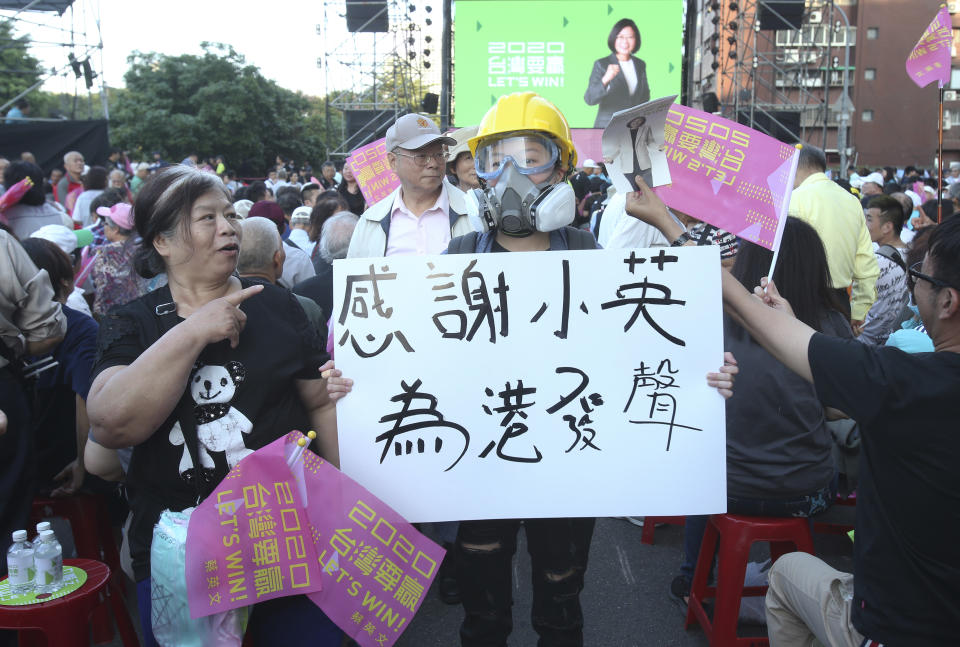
[(426, 211), (420, 217)]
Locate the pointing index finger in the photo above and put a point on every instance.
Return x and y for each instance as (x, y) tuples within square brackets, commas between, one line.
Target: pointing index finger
[(237, 298)]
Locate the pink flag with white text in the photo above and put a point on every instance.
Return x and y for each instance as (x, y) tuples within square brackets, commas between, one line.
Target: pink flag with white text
[(930, 58), (728, 175)]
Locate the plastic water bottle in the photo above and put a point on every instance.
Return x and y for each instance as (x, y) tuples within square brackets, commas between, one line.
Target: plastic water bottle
[(43, 525), (48, 557), (20, 564)]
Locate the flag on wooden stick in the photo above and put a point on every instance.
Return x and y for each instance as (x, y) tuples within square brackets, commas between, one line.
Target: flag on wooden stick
[(930, 59)]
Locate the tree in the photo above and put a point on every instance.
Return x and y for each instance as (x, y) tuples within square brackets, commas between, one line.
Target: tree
[(212, 104), (18, 70)]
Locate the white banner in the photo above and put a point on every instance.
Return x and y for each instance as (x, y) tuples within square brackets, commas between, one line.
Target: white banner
[(538, 384)]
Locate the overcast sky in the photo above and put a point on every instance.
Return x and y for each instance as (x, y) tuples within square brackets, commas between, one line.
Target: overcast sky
[(278, 37)]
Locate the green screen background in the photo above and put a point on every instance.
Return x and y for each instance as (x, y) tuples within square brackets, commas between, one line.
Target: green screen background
[(583, 27)]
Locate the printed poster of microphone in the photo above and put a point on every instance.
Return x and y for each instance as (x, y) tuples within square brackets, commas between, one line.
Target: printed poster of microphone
[(633, 145)]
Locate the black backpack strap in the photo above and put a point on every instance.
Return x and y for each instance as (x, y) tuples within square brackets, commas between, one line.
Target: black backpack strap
[(580, 239), (165, 319), (890, 252), (466, 244)]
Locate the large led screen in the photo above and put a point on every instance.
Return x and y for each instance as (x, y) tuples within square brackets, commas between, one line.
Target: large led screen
[(590, 57)]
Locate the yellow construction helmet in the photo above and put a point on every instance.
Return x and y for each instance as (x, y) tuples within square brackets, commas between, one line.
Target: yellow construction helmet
[(526, 112)]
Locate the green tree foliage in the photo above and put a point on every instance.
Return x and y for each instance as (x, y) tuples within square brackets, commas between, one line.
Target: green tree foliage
[(213, 104), (18, 70)]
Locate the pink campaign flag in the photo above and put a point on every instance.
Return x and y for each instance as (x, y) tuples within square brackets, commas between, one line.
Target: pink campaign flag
[(250, 540), (930, 58), (375, 568), (374, 176), (728, 175)]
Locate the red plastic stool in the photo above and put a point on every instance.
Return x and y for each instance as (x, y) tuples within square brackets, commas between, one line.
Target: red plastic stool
[(63, 621), (839, 519), (735, 534), (94, 540), (650, 524)]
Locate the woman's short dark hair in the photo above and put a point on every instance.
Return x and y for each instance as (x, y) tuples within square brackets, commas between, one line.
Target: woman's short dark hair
[(802, 275), (919, 246), (47, 256), (256, 191), (18, 170), (327, 203), (163, 205), (107, 199), (930, 209), (617, 28), (95, 179)]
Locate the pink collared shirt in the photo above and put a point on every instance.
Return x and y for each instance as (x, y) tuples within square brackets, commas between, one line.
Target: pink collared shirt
[(428, 234)]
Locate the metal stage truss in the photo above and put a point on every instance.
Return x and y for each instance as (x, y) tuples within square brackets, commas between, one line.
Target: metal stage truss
[(72, 41), (780, 66), (381, 59)]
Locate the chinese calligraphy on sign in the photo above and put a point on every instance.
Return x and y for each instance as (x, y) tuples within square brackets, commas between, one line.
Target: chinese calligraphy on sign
[(516, 372)]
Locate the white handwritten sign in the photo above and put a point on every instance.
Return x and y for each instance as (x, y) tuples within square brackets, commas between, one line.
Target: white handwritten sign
[(539, 384)]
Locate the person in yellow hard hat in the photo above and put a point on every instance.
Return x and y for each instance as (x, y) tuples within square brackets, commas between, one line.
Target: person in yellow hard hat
[(522, 154)]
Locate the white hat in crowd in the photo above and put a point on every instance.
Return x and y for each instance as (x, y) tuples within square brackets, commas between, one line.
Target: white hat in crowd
[(415, 131), (242, 207), (463, 137), (874, 177), (63, 237), (913, 195), (301, 216)]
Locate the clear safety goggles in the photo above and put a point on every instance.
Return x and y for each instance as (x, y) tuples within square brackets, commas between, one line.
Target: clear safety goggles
[(530, 154)]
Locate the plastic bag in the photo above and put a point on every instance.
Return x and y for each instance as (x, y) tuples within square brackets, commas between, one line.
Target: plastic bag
[(170, 613)]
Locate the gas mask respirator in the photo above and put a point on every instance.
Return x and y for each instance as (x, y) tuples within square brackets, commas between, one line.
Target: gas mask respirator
[(518, 207)]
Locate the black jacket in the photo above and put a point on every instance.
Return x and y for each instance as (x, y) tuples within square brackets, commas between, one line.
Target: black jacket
[(616, 96)]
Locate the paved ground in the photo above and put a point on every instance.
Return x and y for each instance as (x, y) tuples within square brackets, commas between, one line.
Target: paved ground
[(625, 600)]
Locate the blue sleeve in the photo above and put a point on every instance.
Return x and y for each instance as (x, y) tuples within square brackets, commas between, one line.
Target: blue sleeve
[(79, 353)]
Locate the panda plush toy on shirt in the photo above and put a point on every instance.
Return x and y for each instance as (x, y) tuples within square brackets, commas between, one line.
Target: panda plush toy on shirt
[(220, 427)]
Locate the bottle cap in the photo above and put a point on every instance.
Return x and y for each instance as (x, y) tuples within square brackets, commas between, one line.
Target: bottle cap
[(43, 525), (19, 535), (46, 534)]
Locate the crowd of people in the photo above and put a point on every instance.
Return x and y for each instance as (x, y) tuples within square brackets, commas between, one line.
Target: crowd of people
[(143, 278)]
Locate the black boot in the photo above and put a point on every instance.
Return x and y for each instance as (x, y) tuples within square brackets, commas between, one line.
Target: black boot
[(448, 588)]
